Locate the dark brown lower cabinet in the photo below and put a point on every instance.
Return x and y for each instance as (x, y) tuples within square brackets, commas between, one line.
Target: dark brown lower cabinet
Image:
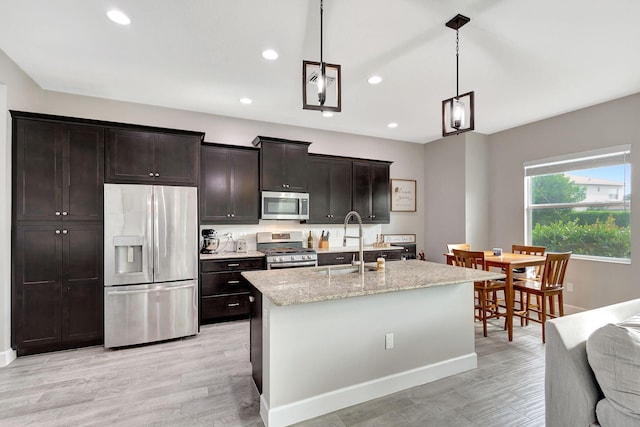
[(57, 294), (224, 293)]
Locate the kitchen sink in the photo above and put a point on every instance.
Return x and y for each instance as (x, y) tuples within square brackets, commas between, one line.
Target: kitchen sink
[(337, 271)]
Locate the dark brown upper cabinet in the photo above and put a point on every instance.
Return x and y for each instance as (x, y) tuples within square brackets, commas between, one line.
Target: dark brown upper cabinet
[(371, 192), (229, 183), (329, 189), (283, 164), (58, 170), (142, 156)]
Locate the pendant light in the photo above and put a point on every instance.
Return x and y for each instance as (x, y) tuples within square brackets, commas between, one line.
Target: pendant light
[(321, 82), (457, 112)]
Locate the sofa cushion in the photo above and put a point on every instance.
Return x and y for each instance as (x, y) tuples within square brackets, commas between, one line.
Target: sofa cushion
[(614, 356)]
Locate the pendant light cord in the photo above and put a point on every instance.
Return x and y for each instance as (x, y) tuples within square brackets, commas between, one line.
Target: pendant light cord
[(321, 13), (457, 57)]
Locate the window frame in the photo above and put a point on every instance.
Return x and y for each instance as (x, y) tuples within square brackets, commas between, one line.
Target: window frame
[(617, 155)]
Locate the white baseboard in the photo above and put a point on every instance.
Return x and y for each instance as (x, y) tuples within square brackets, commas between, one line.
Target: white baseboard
[(571, 309), (7, 357), (332, 401)]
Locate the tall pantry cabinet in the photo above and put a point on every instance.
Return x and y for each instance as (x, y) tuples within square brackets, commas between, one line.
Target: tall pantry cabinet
[(57, 237)]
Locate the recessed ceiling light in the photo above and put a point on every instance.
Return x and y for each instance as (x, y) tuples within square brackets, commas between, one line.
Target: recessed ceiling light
[(246, 100), (118, 17), (374, 80), (392, 125), (270, 54)]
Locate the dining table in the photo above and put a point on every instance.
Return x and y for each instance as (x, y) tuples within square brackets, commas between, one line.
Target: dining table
[(507, 262)]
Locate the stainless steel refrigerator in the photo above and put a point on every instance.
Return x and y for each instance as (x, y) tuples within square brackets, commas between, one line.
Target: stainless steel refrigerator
[(150, 263)]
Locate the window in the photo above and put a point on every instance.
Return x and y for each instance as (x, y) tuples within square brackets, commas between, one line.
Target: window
[(566, 211)]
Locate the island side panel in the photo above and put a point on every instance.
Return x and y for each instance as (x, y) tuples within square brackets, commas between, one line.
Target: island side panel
[(255, 337), (323, 356)]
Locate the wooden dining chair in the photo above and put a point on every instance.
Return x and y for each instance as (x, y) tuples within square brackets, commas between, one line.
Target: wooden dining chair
[(527, 250), (461, 246), (484, 291), (549, 289)]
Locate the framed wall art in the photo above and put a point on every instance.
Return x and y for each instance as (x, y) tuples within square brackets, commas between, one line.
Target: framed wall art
[(403, 195)]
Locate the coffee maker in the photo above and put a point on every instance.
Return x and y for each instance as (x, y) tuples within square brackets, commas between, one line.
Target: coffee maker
[(210, 241)]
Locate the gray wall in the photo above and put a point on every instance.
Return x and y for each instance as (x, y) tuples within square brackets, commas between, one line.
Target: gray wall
[(608, 124), (472, 176)]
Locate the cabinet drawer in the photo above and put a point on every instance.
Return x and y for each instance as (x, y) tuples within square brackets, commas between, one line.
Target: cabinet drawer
[(223, 283), (392, 255), (225, 306), (336, 258), (242, 264)]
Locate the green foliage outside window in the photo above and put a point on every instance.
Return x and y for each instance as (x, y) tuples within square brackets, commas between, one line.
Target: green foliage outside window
[(596, 232)]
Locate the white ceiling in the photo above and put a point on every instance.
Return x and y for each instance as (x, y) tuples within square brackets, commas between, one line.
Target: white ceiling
[(526, 60)]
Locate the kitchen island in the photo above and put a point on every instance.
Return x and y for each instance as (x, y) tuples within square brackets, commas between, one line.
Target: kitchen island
[(324, 338)]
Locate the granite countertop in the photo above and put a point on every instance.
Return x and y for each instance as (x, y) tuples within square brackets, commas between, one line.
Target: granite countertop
[(336, 249), (312, 284), (228, 255)]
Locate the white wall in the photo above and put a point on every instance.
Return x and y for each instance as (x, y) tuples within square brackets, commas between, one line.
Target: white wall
[(17, 91)]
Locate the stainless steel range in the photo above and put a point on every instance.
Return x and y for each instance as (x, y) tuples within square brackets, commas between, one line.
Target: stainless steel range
[(285, 249)]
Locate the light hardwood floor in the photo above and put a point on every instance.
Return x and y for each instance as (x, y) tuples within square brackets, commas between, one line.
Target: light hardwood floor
[(206, 381)]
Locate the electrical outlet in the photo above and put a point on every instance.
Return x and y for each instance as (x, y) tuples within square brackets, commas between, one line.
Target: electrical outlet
[(388, 341), (569, 287)]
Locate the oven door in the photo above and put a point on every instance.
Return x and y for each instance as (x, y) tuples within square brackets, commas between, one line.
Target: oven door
[(285, 205), (297, 264)]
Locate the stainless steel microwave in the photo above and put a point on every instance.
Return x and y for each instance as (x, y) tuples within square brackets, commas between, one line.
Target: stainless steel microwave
[(285, 205)]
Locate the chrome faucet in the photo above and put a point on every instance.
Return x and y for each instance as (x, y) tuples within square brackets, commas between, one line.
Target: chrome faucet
[(359, 237)]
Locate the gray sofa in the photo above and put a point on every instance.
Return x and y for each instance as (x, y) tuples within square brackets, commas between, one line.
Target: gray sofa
[(571, 389)]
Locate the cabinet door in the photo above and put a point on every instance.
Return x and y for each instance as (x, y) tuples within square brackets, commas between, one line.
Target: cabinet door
[(176, 159), (129, 156), (82, 284), (340, 190), (320, 191), (380, 193), (371, 191), (284, 166), (295, 167), (272, 164), (83, 172), (245, 181), (215, 188), (37, 287), (362, 189), (37, 170)]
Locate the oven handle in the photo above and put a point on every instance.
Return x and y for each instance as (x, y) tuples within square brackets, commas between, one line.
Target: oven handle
[(292, 264)]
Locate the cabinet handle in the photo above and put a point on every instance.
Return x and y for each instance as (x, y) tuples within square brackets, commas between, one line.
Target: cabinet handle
[(252, 298), (150, 173), (65, 213), (233, 282), (328, 216), (57, 213), (57, 231), (235, 304), (233, 265), (65, 231), (228, 215), (233, 215), (156, 174), (339, 258)]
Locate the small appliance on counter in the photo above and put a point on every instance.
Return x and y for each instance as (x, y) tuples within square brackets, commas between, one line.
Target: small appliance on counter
[(241, 246), (210, 241)]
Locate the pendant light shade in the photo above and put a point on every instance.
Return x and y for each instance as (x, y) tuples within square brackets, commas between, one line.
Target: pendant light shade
[(458, 112), (321, 82)]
